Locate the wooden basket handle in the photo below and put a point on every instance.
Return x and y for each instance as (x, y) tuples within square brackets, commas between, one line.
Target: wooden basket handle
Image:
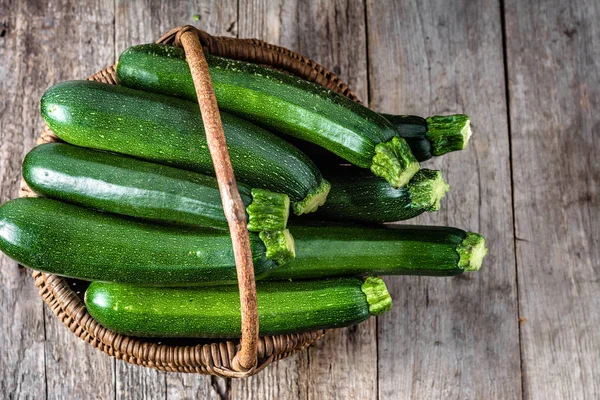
[(188, 38)]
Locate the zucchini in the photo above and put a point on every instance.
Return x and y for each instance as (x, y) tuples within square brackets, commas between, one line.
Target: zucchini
[(355, 197), (69, 240), (127, 186), (434, 136), (169, 131), (355, 250), (214, 311), (283, 103)]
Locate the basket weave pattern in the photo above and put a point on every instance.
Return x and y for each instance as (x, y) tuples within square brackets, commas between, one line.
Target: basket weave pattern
[(213, 358)]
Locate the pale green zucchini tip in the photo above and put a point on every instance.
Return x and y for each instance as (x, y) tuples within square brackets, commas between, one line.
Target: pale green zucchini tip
[(378, 297), (313, 200), (268, 211), (279, 245), (448, 133), (394, 161), (427, 188), (472, 251)]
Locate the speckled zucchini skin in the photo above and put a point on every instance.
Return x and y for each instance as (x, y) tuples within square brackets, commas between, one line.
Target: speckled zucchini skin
[(69, 240), (415, 131), (357, 196), (127, 186), (283, 103), (325, 250), (214, 312), (170, 131)]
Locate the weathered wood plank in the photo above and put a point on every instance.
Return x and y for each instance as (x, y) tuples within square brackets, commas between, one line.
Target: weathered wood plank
[(192, 386), (143, 21), (134, 382), (457, 337), (283, 380), (57, 42), (21, 309), (553, 53), (40, 62), (332, 33)]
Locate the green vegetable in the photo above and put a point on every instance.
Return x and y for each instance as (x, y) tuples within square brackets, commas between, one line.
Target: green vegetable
[(283, 103), (68, 240), (214, 311), (136, 188), (357, 197), (280, 245), (355, 250), (434, 136), (426, 138), (170, 131)]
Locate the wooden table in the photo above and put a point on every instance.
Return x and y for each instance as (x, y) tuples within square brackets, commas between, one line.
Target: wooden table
[(527, 72)]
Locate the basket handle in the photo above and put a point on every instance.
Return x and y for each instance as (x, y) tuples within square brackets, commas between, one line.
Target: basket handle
[(188, 38)]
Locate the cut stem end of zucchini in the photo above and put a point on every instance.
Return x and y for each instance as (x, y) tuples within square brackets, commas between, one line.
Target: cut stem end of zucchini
[(280, 245), (394, 162), (472, 251), (427, 188), (448, 133), (378, 297), (268, 211), (313, 200)]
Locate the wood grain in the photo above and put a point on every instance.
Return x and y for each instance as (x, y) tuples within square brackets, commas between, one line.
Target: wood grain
[(553, 57), (61, 40), (283, 380), (218, 17), (133, 382), (21, 309), (332, 33), (451, 338), (143, 21), (38, 64), (190, 386)]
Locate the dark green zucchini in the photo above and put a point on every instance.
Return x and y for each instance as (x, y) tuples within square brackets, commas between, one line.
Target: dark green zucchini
[(214, 311), (355, 250), (434, 136), (169, 131), (64, 239), (358, 197), (413, 129), (127, 186), (69, 240), (283, 103), (426, 138)]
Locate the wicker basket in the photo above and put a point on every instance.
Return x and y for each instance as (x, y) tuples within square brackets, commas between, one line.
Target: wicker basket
[(239, 358)]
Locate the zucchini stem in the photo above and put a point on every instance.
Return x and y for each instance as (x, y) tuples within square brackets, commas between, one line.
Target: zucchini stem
[(313, 200), (472, 251), (427, 188), (394, 162), (279, 244), (268, 211), (378, 297), (448, 133)]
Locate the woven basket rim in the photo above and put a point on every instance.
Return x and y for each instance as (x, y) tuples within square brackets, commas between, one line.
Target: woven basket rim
[(213, 358)]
